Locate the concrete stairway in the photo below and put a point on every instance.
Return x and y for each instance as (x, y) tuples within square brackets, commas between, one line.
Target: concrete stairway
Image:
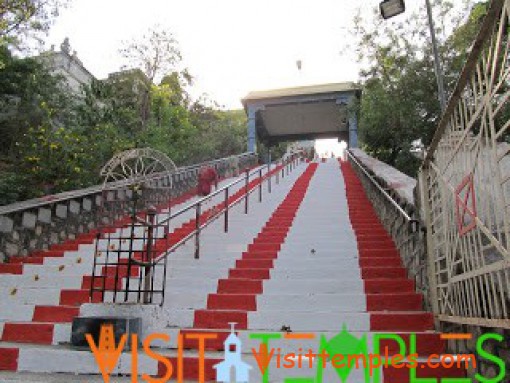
[(40, 299), (311, 259)]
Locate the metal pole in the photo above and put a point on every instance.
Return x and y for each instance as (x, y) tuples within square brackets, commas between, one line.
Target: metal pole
[(260, 185), (197, 231), (269, 172), (151, 213), (437, 63), (226, 210), (246, 190)]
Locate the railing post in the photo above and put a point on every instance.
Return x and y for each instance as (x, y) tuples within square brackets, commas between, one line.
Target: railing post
[(198, 212), (226, 210), (246, 190), (431, 272), (277, 174), (260, 185), (151, 215), (269, 177)]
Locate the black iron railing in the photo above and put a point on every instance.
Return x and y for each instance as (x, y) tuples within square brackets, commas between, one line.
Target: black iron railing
[(131, 262)]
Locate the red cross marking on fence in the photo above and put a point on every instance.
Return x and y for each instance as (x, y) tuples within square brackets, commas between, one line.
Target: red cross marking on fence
[(466, 205)]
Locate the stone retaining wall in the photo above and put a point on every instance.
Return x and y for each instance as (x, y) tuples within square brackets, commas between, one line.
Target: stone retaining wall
[(413, 251), (37, 224)]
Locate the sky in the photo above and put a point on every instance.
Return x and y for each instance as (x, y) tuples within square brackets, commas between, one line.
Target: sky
[(231, 47)]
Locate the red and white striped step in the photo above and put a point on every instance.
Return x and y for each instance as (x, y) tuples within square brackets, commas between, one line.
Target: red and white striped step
[(34, 323), (392, 300)]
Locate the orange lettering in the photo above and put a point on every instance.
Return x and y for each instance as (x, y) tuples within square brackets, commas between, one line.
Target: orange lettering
[(160, 358), (202, 337), (262, 357), (105, 353)]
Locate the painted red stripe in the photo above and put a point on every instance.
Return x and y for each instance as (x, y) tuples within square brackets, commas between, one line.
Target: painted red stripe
[(30, 260), (391, 296), (254, 264), (397, 321), (66, 246), (55, 314), (38, 333), (382, 286), (258, 255), (11, 268), (380, 262), (9, 359), (210, 344), (394, 302), (239, 286), (383, 272), (369, 253), (249, 274), (220, 319), (224, 307), (76, 297), (426, 344)]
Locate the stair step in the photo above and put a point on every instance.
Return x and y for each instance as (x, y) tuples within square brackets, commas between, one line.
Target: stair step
[(394, 302), (29, 260), (100, 281), (55, 314), (11, 268), (369, 246), (383, 272), (383, 286), (30, 332), (220, 319), (401, 321), (256, 274), (9, 359), (68, 246), (244, 302), (211, 344), (370, 253), (76, 297), (120, 271), (264, 247), (240, 286), (380, 262), (254, 264), (260, 255), (426, 344)]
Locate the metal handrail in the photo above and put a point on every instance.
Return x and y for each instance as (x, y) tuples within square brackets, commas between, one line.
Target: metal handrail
[(381, 189), (154, 255), (69, 195), (199, 202)]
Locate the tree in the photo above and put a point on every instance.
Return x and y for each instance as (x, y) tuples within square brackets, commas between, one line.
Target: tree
[(29, 96), (156, 53), (20, 19), (399, 103)]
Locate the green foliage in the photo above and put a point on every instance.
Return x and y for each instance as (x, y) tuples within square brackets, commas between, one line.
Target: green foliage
[(22, 19), (13, 187), (400, 100), (53, 141), (29, 96)]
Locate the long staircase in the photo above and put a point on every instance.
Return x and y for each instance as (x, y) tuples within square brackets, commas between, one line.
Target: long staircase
[(308, 264)]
